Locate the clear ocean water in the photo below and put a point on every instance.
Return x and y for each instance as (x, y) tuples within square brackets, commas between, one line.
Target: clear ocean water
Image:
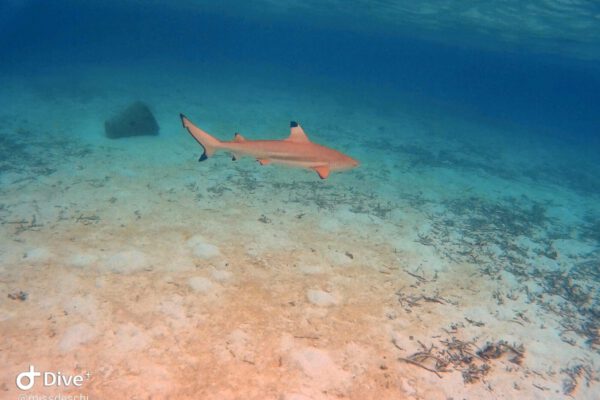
[(460, 259)]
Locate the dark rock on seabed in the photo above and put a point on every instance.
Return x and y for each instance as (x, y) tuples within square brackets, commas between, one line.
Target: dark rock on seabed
[(135, 120)]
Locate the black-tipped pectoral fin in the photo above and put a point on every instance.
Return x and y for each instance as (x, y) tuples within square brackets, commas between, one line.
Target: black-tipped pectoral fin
[(323, 171)]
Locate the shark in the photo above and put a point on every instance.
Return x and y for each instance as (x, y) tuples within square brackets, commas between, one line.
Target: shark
[(294, 151)]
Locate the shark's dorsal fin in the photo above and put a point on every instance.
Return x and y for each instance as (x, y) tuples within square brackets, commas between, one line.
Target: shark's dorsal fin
[(238, 138), (297, 134)]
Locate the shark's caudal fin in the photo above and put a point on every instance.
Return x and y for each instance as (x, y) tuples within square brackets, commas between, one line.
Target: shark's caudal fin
[(209, 143)]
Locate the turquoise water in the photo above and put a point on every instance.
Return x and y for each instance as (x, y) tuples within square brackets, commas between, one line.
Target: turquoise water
[(473, 216)]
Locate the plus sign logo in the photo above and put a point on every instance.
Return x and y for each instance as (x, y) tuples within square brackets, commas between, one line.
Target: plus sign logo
[(28, 377)]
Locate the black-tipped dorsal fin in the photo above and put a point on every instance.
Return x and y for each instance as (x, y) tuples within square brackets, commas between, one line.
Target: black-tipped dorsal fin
[(297, 134), (239, 138)]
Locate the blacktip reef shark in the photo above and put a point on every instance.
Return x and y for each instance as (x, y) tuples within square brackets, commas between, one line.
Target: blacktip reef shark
[(295, 151)]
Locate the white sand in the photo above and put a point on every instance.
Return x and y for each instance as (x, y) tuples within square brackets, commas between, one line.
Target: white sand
[(173, 279)]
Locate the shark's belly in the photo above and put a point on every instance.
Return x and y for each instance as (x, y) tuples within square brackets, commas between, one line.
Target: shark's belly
[(296, 163), (294, 155)]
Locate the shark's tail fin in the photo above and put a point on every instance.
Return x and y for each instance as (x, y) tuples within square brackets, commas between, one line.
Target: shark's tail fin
[(209, 143)]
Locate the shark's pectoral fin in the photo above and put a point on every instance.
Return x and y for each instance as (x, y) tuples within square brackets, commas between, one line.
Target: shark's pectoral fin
[(263, 161), (323, 171)]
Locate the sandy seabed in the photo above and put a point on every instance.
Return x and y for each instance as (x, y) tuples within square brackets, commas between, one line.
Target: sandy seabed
[(451, 264)]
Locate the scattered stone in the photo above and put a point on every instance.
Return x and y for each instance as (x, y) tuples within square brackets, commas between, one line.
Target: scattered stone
[(201, 249), (221, 276), (135, 120), (311, 269), (320, 298), (82, 260), (38, 255), (20, 295), (129, 337), (318, 365), (264, 219), (338, 258), (174, 309), (126, 262), (75, 336), (200, 284)]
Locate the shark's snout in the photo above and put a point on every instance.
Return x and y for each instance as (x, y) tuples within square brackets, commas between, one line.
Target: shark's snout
[(351, 162), (346, 163)]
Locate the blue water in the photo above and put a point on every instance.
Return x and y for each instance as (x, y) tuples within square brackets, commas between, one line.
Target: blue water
[(477, 125), (555, 94)]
